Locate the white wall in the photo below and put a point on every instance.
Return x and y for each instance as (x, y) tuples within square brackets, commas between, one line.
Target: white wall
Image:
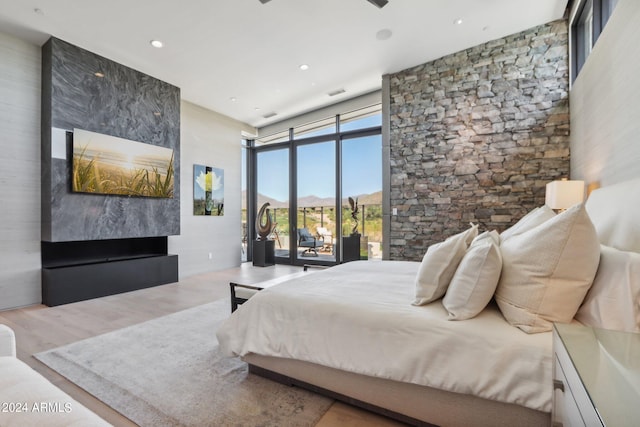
[(605, 112), (19, 173), (206, 138), (210, 139)]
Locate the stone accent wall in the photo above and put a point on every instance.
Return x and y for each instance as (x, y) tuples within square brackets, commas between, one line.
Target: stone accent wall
[(476, 135)]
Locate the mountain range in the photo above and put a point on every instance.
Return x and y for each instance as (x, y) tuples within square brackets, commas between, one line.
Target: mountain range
[(315, 201)]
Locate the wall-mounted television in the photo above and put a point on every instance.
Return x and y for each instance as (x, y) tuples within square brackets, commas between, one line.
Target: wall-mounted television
[(104, 164)]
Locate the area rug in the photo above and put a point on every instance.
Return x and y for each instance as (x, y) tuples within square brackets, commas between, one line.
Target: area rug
[(170, 372)]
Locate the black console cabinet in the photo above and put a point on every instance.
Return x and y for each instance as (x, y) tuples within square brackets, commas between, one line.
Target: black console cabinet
[(77, 271)]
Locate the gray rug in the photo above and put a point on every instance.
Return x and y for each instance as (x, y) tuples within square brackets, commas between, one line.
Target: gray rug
[(170, 372)]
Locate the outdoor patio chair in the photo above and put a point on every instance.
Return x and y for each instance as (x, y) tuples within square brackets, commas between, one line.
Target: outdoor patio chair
[(325, 235), (309, 242)]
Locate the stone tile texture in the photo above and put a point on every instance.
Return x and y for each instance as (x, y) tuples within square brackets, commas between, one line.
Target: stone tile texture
[(476, 135)]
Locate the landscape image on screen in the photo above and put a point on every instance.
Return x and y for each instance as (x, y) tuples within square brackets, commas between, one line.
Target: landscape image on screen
[(104, 164)]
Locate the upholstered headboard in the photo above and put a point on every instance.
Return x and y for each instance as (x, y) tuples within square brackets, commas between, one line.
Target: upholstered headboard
[(615, 212), (613, 302)]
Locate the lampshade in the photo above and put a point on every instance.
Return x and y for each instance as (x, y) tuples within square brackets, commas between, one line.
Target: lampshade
[(564, 194)]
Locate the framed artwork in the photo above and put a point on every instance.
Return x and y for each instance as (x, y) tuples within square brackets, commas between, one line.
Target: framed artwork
[(208, 190)]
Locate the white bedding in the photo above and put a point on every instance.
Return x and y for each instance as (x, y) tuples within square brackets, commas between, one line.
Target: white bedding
[(358, 317)]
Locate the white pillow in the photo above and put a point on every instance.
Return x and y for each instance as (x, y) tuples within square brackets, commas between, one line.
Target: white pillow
[(547, 271), (613, 302), (534, 218), (476, 278), (439, 264)]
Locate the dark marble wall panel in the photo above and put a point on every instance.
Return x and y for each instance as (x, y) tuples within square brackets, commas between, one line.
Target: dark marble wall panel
[(45, 150), (123, 103)]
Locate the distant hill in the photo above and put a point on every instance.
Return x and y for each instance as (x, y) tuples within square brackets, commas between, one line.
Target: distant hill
[(314, 201), (263, 199), (370, 199)]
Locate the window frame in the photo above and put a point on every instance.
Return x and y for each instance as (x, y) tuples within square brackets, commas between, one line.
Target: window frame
[(276, 141), (600, 12)]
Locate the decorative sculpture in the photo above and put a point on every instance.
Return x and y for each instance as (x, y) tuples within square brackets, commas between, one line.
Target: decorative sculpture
[(264, 222), (354, 214)]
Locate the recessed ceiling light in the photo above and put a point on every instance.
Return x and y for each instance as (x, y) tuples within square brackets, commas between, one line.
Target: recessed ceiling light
[(336, 92), (98, 74), (38, 11), (257, 108), (485, 28), (458, 21), (156, 43), (384, 34), (233, 99), (304, 67)]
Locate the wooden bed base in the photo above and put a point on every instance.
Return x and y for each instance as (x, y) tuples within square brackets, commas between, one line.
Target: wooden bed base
[(274, 376), (409, 403)]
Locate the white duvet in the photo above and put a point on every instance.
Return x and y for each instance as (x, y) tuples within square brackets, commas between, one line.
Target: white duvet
[(358, 317)]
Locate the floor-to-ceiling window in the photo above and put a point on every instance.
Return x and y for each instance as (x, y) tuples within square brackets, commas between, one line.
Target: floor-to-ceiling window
[(316, 200), (362, 181), (308, 174), (272, 181), (243, 199)]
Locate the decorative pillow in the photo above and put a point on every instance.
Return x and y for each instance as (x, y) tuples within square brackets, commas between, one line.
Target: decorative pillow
[(547, 271), (534, 218), (476, 278), (439, 264), (613, 302)]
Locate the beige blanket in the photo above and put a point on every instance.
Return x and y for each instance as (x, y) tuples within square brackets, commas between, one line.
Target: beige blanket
[(358, 317)]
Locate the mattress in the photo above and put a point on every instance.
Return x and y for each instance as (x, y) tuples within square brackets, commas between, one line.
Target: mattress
[(358, 317)]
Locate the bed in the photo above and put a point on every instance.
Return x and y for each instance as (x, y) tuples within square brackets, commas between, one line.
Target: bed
[(352, 332)]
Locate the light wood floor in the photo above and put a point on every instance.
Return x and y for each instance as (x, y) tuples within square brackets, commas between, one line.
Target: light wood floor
[(39, 328)]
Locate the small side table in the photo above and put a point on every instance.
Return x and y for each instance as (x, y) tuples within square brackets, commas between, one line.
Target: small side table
[(241, 292), (596, 377), (264, 253)]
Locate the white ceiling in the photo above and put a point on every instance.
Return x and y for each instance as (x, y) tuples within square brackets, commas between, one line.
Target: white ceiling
[(216, 50)]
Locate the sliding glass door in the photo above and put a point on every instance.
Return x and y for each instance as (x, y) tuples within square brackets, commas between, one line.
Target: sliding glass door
[(316, 202), (362, 182), (272, 172), (308, 174)]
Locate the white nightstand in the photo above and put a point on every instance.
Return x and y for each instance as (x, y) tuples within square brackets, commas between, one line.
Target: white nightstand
[(596, 377)]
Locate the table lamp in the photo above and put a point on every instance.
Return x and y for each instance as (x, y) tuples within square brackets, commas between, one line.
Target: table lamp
[(563, 194)]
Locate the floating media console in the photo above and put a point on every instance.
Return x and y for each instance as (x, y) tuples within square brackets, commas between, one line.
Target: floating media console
[(77, 271)]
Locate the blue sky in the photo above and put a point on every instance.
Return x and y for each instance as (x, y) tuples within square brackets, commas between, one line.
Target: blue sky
[(361, 171)]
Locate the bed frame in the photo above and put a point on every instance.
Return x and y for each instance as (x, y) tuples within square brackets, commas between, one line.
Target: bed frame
[(421, 405), (409, 403)]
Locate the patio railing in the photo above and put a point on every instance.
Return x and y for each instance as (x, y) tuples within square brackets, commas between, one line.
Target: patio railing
[(312, 217)]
